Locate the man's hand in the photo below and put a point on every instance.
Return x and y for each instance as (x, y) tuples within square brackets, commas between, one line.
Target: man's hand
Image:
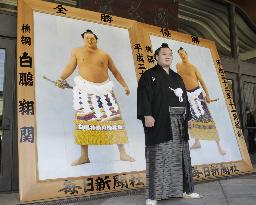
[(207, 99), (127, 91), (61, 84), (149, 121)]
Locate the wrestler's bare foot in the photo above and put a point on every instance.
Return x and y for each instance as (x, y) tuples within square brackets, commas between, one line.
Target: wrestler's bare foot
[(123, 155), (126, 157), (80, 161), (221, 150), (196, 145)]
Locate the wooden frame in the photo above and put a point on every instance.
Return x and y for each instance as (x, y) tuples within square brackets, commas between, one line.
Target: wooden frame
[(204, 171), (31, 187)]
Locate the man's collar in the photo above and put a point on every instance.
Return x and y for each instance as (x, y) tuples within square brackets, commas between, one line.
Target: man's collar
[(160, 68)]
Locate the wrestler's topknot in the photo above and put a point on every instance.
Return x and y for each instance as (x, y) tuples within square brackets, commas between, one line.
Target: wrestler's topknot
[(163, 45), (182, 49), (89, 31)]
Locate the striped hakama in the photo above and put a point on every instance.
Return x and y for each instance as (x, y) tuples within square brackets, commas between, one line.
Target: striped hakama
[(169, 171)]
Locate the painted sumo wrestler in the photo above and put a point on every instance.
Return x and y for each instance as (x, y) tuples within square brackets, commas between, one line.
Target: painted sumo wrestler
[(98, 119), (203, 127)]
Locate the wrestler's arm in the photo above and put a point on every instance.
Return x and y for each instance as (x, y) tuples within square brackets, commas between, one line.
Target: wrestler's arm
[(71, 66), (117, 75), (200, 79)]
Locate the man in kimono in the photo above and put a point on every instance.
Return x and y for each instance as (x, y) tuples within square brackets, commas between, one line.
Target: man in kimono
[(203, 126), (98, 119), (164, 111)]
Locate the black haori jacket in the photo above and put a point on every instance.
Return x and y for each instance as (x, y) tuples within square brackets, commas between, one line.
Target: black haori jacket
[(154, 97)]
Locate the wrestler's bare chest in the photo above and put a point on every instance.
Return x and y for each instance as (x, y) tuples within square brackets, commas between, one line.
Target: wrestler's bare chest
[(189, 77), (93, 66), (96, 61), (187, 72)]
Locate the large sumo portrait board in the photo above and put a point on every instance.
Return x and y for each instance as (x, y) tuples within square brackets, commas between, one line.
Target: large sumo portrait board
[(217, 145), (77, 137)]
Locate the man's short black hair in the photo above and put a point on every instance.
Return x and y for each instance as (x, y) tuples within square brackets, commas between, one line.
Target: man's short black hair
[(89, 31), (164, 45), (182, 49)]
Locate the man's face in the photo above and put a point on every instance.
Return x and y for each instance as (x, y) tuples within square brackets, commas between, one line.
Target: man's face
[(90, 40), (183, 55), (165, 57)]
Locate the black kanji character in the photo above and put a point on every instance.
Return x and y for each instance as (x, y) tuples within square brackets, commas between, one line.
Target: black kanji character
[(137, 47), (237, 124), (139, 182), (148, 49), (70, 187), (140, 57), (165, 32), (233, 168), (218, 62), (25, 40), (221, 70), (120, 181), (106, 18), (235, 117), (102, 183), (142, 71), (224, 80), (228, 94), (27, 134), (150, 59), (26, 79), (25, 28), (88, 185), (26, 107), (206, 171), (132, 181), (196, 173), (141, 66), (214, 170), (224, 170), (239, 133), (60, 9), (195, 39), (25, 60), (232, 105)]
